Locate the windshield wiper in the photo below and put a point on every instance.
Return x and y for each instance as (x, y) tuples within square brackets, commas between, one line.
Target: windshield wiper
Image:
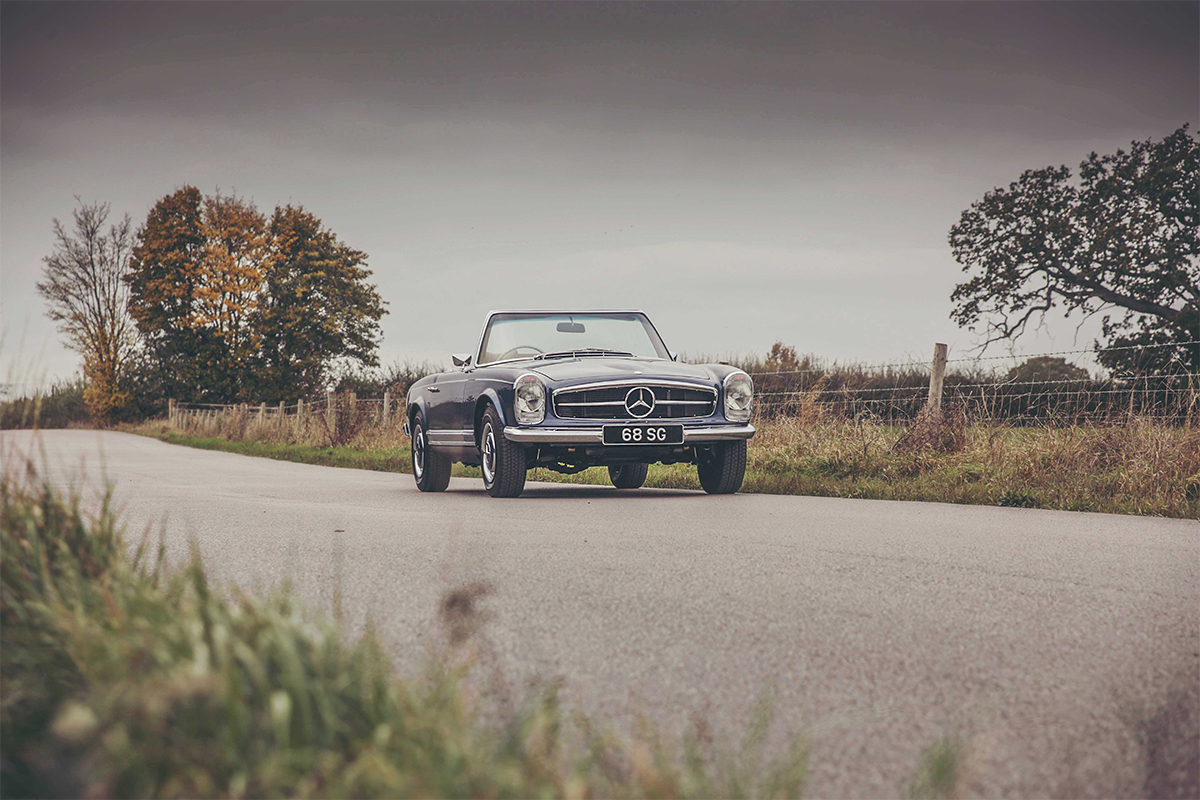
[(583, 351)]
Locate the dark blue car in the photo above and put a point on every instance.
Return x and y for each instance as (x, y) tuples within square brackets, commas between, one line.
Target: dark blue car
[(568, 390)]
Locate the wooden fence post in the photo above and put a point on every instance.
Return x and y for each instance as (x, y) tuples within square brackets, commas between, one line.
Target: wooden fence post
[(331, 413), (300, 416), (936, 375), (387, 407), (171, 411)]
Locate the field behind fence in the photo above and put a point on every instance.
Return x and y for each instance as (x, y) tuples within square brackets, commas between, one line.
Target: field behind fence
[(897, 392), (894, 393)]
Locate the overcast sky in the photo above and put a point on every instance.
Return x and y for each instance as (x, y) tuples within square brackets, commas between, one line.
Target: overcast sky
[(743, 172)]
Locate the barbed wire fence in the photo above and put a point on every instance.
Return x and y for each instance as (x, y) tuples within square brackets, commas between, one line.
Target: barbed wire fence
[(896, 392), (900, 391)]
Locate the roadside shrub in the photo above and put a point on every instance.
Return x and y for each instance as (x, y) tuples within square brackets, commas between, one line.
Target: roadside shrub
[(945, 432), (60, 406), (1016, 498), (396, 377), (1191, 489)]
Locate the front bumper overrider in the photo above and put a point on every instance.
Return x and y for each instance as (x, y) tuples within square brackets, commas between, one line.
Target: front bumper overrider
[(592, 436)]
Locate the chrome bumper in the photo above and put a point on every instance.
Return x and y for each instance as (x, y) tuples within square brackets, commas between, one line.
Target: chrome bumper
[(587, 436)]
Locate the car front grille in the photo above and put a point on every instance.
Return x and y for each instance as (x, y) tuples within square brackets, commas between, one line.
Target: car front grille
[(608, 402)]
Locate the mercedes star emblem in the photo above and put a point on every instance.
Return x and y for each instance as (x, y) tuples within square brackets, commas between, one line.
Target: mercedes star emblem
[(639, 402)]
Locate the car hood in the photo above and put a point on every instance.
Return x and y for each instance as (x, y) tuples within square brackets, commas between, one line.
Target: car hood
[(610, 368)]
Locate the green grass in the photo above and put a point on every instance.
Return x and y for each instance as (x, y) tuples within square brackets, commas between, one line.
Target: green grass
[(1141, 468), (940, 772), (395, 459)]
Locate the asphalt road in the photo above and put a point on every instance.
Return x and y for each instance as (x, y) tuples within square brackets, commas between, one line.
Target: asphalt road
[(1062, 649)]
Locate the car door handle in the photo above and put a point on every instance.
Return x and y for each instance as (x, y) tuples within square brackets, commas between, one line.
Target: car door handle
[(434, 389)]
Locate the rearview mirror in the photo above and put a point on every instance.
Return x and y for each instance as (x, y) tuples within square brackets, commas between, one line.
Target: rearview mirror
[(461, 359), (571, 327)]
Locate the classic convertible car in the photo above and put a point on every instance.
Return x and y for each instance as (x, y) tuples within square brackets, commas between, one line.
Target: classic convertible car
[(568, 390)]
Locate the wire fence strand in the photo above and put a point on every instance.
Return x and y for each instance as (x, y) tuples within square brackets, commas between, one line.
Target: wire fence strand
[(893, 391)]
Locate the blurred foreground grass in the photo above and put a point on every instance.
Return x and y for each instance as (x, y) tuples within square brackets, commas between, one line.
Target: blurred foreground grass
[(1140, 467), (122, 676)]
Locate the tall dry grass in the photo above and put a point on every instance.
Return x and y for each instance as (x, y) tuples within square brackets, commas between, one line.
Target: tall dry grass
[(350, 422), (1133, 465), (1140, 467)]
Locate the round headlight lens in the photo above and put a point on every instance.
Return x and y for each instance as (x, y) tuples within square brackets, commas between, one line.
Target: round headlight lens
[(739, 393), (530, 399)]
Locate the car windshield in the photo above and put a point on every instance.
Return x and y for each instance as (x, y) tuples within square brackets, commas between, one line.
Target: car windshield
[(528, 335)]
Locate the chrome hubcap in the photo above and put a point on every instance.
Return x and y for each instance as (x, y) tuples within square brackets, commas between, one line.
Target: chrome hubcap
[(419, 452), (489, 454)]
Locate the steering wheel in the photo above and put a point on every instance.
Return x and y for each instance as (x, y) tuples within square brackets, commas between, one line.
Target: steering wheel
[(513, 352)]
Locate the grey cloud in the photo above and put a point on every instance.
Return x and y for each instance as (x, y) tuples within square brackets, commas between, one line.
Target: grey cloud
[(765, 162), (726, 68)]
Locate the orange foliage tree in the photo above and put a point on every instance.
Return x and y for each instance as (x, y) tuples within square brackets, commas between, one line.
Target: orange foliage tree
[(235, 308), (83, 284)]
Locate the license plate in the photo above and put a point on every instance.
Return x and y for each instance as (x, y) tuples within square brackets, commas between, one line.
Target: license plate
[(643, 434)]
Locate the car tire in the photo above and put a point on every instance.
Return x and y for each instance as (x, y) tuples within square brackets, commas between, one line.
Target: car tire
[(724, 468), (502, 462), (628, 476), (430, 468)]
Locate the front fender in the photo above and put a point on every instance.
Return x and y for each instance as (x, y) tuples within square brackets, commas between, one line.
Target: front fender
[(490, 395), (417, 406), (722, 371)]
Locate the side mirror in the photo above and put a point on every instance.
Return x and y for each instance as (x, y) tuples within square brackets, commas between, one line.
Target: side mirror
[(461, 360), (674, 356)]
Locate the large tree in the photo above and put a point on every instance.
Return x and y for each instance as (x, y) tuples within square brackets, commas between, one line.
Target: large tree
[(83, 283), (165, 277), (318, 308), (237, 252), (236, 308), (1122, 240)]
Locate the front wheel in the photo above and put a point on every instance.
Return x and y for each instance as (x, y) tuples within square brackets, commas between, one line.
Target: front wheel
[(723, 469), (501, 461), (430, 468), (628, 476)]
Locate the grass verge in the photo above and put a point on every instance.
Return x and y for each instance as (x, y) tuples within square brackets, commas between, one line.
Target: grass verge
[(126, 678), (1141, 467)]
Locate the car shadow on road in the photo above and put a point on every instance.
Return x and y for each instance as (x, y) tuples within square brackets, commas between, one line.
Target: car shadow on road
[(588, 491)]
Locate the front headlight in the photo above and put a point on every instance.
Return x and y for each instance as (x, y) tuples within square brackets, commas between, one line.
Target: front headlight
[(529, 399), (739, 392)]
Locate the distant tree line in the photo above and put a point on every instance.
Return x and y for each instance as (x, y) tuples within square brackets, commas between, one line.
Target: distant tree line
[(209, 300)]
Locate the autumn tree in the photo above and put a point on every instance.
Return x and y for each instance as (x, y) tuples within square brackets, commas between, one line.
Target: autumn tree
[(197, 280), (318, 308), (1123, 240), (230, 290), (236, 308), (83, 284), (782, 358), (165, 276)]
